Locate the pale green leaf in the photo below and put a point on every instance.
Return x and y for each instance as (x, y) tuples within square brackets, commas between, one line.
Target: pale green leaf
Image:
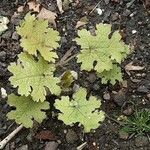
[(31, 77), (36, 36), (112, 75), (26, 110), (81, 110), (100, 48)]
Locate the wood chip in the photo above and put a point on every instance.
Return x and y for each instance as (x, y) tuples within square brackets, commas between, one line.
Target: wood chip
[(131, 67), (83, 21), (49, 15), (33, 5), (60, 6)]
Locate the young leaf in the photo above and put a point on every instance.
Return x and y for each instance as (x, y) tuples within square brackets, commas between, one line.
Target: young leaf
[(111, 75), (35, 35), (80, 110), (100, 48), (31, 77), (26, 110), (67, 78)]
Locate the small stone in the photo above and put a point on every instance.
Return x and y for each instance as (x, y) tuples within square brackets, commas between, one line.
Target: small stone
[(24, 147), (134, 31), (15, 19), (141, 141), (6, 35), (71, 136), (120, 98), (106, 96), (148, 95), (15, 36), (99, 11), (123, 135), (128, 111), (92, 77), (51, 145), (20, 9), (3, 93), (2, 56), (114, 16)]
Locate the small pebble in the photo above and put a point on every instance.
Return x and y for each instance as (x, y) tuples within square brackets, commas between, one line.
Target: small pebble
[(134, 31), (20, 9), (71, 136), (131, 15), (99, 11), (15, 36), (114, 16), (3, 93), (51, 145), (106, 96), (2, 56), (120, 98), (123, 135), (6, 35), (92, 77), (128, 111)]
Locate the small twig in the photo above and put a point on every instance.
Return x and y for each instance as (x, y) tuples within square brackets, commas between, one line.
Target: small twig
[(82, 146), (66, 55), (110, 118), (66, 58), (95, 6), (10, 136)]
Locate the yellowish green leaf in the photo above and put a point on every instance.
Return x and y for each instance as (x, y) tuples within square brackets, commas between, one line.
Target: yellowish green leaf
[(26, 110), (31, 77), (36, 36)]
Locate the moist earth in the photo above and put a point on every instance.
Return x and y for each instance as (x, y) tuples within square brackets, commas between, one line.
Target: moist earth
[(132, 18)]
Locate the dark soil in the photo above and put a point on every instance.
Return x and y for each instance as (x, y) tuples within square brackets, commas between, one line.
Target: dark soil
[(125, 15)]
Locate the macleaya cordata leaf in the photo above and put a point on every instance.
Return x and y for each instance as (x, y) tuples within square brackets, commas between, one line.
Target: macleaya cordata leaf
[(31, 77), (100, 48), (112, 75), (36, 36), (26, 110), (80, 110)]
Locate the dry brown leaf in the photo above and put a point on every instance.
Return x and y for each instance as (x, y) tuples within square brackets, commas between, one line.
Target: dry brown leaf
[(83, 21), (60, 6), (45, 135), (131, 67), (33, 5), (49, 15)]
